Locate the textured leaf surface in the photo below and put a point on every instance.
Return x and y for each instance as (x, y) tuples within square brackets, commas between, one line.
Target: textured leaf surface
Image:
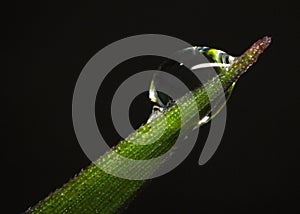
[(95, 191)]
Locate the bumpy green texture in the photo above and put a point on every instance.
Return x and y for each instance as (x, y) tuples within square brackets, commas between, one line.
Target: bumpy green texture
[(95, 191)]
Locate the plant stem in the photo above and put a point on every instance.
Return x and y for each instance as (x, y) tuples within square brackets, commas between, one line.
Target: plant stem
[(95, 191)]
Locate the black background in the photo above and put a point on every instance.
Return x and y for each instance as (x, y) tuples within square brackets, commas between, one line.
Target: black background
[(256, 167)]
